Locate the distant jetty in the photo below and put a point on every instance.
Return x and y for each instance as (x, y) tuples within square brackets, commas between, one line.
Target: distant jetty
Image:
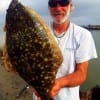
[(92, 27)]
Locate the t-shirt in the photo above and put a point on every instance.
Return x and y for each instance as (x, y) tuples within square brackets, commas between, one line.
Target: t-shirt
[(77, 46)]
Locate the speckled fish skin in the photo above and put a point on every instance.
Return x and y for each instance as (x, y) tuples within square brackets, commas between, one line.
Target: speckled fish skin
[(31, 48)]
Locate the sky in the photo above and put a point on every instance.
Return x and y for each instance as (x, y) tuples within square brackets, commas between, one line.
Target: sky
[(85, 12)]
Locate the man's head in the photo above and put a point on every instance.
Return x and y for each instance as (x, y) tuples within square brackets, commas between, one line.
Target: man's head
[(60, 10)]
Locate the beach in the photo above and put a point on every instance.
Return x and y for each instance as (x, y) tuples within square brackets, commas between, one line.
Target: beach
[(11, 85)]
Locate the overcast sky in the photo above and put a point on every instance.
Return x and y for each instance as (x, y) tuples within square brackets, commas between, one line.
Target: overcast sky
[(85, 11)]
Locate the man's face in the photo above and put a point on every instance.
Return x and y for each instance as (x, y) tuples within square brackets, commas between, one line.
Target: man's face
[(59, 12)]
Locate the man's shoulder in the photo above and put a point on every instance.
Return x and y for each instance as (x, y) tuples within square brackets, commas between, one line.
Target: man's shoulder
[(79, 27), (79, 30)]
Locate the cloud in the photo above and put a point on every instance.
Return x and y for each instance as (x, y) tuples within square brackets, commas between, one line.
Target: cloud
[(39, 6), (84, 9), (86, 12), (4, 5)]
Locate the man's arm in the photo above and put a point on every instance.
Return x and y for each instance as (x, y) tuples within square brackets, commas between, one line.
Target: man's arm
[(6, 61), (71, 80)]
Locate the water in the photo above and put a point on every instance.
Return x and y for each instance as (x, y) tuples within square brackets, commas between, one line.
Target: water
[(94, 66)]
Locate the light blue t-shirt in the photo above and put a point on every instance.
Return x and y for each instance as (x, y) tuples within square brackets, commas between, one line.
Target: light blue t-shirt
[(77, 46)]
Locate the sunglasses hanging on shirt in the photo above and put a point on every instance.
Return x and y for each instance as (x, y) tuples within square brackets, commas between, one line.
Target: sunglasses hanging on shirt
[(63, 3)]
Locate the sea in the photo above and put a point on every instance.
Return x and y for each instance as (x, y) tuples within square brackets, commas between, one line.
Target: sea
[(93, 78)]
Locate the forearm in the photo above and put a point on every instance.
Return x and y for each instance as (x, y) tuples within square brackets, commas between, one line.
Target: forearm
[(71, 80), (76, 78)]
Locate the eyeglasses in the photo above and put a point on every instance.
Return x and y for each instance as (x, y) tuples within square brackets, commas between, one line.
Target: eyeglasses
[(63, 3)]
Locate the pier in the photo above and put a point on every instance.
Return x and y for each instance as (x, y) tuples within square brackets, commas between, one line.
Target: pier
[(92, 27)]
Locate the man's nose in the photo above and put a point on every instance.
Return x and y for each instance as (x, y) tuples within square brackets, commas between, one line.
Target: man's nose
[(58, 7)]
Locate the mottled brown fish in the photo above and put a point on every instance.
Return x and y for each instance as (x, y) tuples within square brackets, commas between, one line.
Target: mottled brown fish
[(31, 48)]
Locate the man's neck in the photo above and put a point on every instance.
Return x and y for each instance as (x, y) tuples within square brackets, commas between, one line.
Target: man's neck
[(60, 28)]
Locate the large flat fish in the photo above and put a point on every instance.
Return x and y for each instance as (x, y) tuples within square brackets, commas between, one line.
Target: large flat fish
[(31, 48)]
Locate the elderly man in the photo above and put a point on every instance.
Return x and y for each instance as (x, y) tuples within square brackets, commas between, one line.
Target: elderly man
[(77, 46)]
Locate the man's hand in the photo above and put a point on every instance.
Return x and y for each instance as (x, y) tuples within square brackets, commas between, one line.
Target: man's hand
[(54, 91), (56, 88), (36, 93)]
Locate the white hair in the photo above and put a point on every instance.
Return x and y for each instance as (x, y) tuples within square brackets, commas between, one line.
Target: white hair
[(65, 17)]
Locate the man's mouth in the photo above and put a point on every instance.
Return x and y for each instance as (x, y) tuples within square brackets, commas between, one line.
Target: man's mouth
[(58, 14)]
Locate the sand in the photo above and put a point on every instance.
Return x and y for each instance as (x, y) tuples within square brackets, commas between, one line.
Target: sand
[(11, 85)]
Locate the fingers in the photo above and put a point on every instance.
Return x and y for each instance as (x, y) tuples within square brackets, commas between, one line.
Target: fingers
[(55, 89), (38, 98), (53, 93), (36, 93)]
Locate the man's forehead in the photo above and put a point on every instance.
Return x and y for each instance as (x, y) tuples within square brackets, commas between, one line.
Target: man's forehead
[(59, 0), (55, 0)]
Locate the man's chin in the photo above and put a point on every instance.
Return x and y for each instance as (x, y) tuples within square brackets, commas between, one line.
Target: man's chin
[(58, 21)]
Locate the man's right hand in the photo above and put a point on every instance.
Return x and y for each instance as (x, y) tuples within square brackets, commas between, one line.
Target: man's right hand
[(36, 93)]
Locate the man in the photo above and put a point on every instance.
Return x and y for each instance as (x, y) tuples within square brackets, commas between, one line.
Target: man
[(77, 47)]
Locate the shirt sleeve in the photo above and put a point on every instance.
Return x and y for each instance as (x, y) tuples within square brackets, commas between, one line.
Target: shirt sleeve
[(86, 49)]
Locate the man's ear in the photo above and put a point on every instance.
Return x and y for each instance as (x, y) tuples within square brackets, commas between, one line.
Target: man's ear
[(71, 6)]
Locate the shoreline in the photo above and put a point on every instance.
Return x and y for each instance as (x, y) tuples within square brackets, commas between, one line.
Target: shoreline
[(11, 85), (92, 27)]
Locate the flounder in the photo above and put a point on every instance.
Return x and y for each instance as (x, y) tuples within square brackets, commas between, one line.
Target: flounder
[(31, 48)]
